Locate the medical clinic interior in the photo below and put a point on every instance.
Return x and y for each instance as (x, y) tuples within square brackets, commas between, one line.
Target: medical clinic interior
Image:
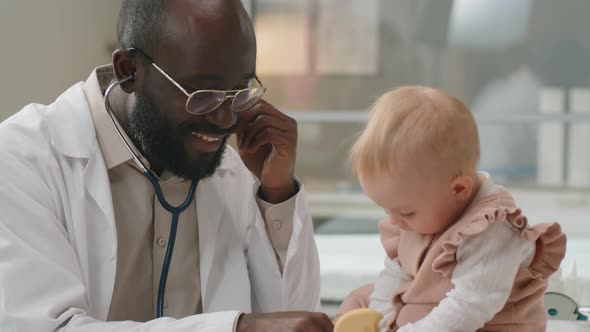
[(521, 68)]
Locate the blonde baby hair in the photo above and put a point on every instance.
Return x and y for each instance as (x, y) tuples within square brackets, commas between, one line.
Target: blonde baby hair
[(418, 124)]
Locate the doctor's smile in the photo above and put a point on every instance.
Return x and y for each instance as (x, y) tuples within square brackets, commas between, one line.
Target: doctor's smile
[(206, 138), (206, 143)]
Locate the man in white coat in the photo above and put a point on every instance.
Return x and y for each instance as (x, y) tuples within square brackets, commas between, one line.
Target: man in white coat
[(83, 235)]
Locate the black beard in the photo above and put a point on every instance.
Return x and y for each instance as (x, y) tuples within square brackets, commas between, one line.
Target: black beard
[(164, 146)]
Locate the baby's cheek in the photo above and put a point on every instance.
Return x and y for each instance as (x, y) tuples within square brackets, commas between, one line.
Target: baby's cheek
[(429, 226)]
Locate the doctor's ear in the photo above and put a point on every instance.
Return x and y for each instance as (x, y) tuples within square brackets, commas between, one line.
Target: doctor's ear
[(124, 67)]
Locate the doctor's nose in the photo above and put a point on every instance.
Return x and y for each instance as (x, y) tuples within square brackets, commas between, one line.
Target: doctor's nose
[(223, 117)]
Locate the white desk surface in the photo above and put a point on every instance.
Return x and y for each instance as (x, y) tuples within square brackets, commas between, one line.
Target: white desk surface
[(567, 326)]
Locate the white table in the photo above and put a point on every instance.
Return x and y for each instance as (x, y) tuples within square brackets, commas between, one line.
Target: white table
[(567, 326)]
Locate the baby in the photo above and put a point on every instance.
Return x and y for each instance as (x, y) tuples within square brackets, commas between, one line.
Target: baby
[(460, 255)]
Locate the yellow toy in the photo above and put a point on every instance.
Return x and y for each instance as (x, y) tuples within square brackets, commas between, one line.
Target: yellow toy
[(359, 320)]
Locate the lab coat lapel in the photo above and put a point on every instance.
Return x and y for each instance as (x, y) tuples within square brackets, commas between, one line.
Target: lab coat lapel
[(93, 221), (70, 117), (102, 233), (98, 188), (210, 209)]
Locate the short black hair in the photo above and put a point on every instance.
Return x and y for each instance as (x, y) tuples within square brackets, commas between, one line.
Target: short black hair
[(141, 24)]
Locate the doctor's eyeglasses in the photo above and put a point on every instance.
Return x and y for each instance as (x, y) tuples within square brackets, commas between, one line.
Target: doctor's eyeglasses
[(202, 102)]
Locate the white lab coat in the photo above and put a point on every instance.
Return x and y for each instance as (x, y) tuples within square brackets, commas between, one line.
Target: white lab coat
[(58, 242)]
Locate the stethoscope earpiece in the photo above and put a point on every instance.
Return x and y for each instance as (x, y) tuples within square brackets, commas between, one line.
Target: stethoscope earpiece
[(130, 78)]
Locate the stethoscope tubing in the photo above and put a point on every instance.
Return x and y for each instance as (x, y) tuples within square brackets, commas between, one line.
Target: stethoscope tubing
[(154, 180)]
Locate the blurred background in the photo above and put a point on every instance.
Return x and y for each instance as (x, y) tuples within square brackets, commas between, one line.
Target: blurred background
[(522, 66)]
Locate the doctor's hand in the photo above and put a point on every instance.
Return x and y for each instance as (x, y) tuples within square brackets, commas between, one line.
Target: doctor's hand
[(267, 143), (295, 321)]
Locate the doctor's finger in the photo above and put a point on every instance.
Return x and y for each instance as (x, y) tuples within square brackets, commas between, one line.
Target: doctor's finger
[(282, 141), (264, 122), (324, 322), (262, 108)]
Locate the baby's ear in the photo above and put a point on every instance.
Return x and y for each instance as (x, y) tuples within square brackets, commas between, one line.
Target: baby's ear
[(462, 187)]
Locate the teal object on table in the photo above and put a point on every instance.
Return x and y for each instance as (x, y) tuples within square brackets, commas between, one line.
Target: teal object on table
[(562, 307)]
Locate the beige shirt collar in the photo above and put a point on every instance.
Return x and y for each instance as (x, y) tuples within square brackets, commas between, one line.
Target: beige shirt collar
[(113, 149)]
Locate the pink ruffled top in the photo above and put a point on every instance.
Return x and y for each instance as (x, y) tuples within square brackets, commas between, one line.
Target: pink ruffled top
[(430, 261)]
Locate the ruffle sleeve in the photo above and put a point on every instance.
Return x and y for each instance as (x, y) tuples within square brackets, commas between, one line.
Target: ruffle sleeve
[(549, 240)]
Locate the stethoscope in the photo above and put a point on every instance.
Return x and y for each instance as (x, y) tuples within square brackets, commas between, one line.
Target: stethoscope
[(562, 307), (154, 180)]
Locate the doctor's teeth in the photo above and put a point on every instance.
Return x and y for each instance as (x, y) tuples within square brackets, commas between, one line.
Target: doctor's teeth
[(205, 137)]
